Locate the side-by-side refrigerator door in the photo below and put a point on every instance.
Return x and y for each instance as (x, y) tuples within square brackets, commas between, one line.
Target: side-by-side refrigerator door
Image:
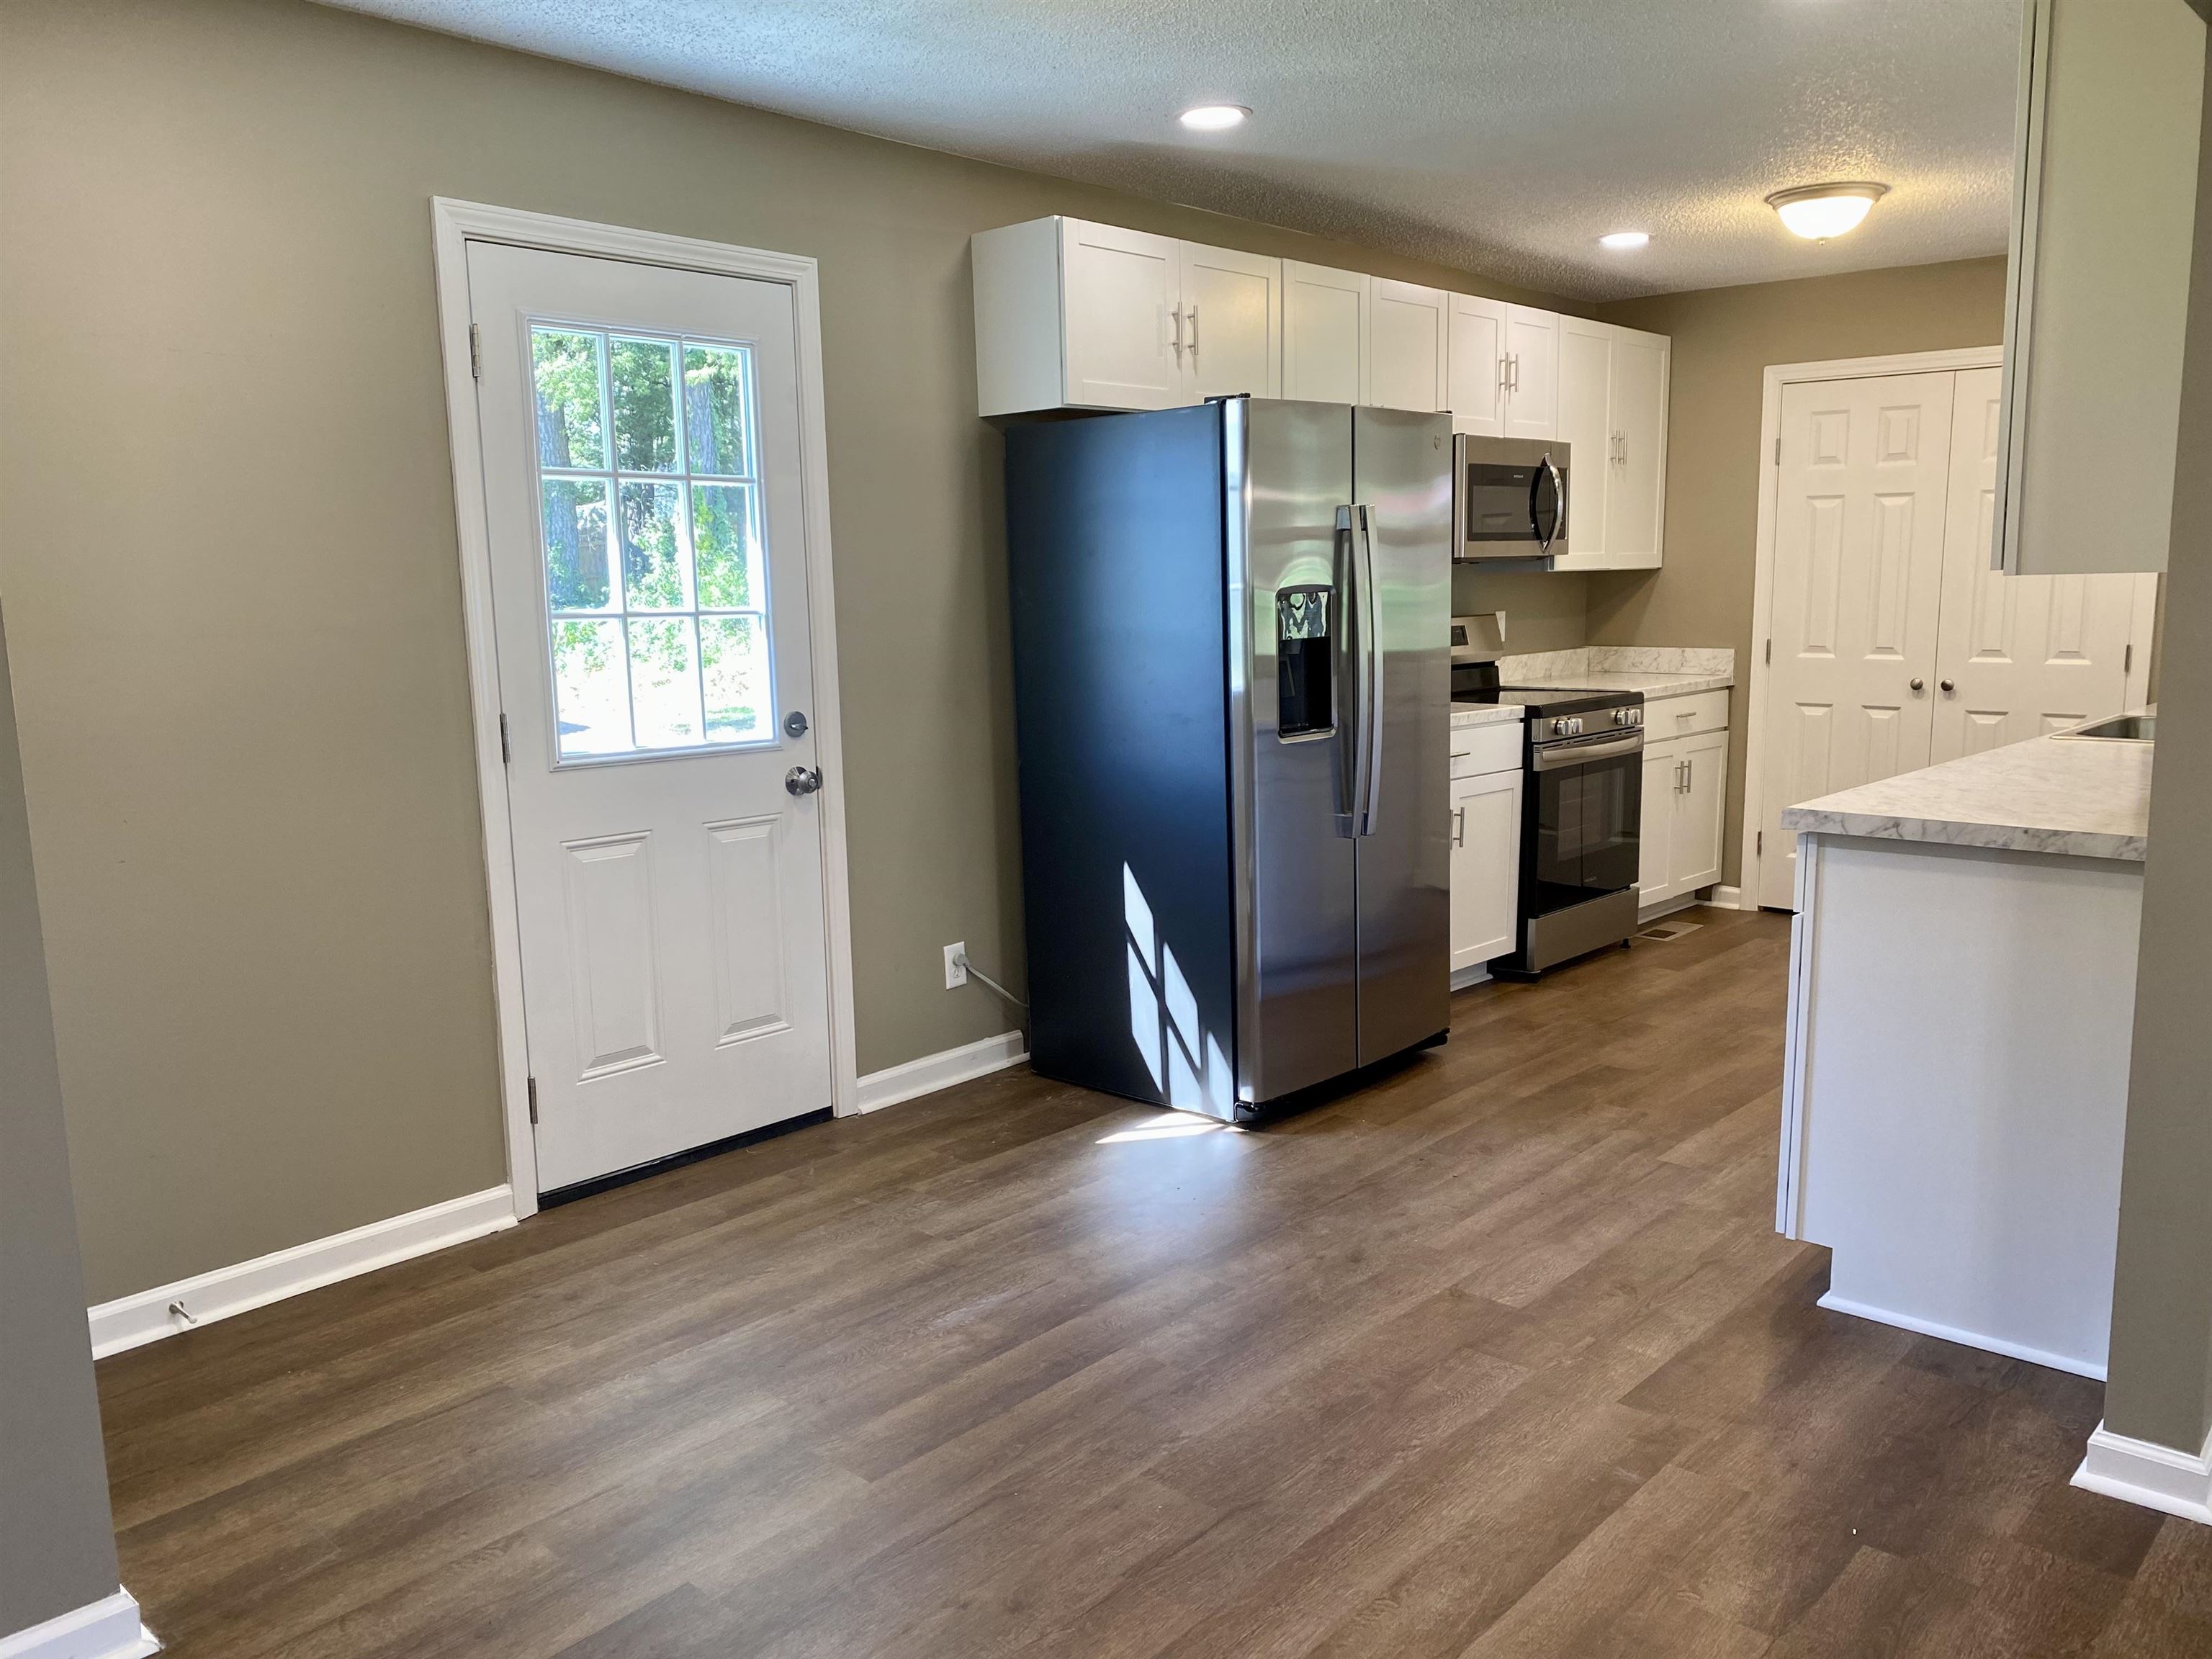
[(1288, 469), (1402, 481)]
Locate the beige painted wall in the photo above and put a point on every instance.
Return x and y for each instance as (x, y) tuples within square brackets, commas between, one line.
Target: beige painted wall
[(227, 506), (1724, 338), (2162, 1357)]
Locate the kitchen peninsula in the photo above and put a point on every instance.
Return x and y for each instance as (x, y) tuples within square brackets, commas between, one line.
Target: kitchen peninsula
[(1962, 993)]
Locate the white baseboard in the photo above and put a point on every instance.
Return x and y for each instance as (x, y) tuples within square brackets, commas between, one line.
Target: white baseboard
[(1727, 898), (1463, 977), (109, 1628), (2057, 1362), (131, 1321), (931, 1072), (2142, 1471)]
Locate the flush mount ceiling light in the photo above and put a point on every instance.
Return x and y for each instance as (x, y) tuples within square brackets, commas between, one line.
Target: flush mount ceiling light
[(1816, 212), (1213, 118), (1624, 239)]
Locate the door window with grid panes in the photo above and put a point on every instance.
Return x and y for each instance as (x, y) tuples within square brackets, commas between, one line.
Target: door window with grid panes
[(656, 580)]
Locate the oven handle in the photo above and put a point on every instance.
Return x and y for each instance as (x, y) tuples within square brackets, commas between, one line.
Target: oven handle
[(1370, 709), (1551, 756)]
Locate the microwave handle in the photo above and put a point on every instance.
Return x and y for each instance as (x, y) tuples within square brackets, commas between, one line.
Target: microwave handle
[(1560, 494)]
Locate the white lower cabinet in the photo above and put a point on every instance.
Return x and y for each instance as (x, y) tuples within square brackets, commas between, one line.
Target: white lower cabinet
[(1685, 797), (1485, 865)]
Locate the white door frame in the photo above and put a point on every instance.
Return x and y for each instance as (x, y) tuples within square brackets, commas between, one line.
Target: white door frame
[(1779, 376), (454, 225)]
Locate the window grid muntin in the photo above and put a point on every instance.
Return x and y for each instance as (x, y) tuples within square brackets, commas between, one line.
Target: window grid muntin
[(612, 477)]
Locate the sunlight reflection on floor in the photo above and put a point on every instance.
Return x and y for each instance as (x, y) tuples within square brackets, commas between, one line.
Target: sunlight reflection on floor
[(1168, 1125)]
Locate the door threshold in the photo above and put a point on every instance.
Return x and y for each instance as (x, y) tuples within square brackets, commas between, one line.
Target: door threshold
[(596, 1184)]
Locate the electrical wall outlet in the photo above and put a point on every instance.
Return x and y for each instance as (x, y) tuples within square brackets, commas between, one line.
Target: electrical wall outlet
[(956, 965)]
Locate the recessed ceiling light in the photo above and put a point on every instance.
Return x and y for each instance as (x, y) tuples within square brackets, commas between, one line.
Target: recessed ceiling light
[(1625, 239), (1816, 212), (1213, 118)]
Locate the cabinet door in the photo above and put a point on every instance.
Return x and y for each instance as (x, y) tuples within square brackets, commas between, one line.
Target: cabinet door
[(1694, 855), (1532, 350), (1325, 333), (1636, 457), (1474, 365), (1405, 329), (1486, 867), (1585, 424), (1662, 788), (1233, 321), (1121, 293)]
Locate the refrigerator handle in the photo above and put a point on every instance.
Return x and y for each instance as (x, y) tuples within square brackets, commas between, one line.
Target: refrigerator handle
[(1344, 698), (1370, 683)]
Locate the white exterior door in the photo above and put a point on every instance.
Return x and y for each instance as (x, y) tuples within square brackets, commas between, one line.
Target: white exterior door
[(640, 430), (1406, 332), (1233, 321), (2019, 656), (1475, 365), (1124, 340), (1858, 570), (1325, 333)]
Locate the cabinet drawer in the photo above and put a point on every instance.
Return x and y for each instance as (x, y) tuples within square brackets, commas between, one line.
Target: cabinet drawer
[(1479, 749), (1678, 717)]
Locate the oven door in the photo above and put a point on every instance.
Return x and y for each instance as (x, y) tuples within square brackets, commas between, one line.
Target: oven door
[(1585, 807)]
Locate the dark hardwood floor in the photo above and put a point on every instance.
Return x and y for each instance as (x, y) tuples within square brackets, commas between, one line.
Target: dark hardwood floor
[(1499, 1355)]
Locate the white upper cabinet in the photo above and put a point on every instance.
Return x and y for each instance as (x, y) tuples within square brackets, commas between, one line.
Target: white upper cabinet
[(1475, 365), (1074, 315), (1233, 324), (2096, 298), (1407, 327), (1613, 416), (1123, 291), (1532, 372), (1325, 322), (1071, 314)]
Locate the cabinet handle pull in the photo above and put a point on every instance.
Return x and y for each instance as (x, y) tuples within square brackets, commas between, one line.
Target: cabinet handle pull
[(1177, 314), (1504, 375), (1194, 330), (1459, 826)]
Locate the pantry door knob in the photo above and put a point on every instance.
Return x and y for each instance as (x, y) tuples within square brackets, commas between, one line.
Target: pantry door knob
[(1948, 687), (1919, 685)]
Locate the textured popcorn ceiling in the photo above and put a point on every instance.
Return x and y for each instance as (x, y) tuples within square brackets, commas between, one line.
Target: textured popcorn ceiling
[(1500, 135)]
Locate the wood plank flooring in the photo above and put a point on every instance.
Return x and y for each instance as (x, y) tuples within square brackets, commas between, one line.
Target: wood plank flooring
[(1498, 1355)]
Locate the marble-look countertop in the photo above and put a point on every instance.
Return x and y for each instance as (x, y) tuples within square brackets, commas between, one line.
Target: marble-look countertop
[(2080, 796), (1487, 713), (1656, 671)]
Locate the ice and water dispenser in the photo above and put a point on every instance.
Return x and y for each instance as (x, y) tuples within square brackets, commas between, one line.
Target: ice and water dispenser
[(1303, 651)]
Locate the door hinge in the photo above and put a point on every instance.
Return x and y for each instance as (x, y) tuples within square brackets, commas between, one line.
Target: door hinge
[(1769, 657), (1757, 847), (505, 748), (2128, 660), (1778, 452), (533, 1102), (476, 352)]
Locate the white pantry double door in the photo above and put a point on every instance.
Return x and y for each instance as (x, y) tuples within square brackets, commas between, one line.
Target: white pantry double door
[(641, 440), (1894, 643)]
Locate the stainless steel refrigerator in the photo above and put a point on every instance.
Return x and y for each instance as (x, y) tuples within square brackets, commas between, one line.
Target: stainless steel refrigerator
[(1232, 707)]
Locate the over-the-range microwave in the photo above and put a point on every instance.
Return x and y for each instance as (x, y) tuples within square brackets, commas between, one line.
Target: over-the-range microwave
[(1508, 498)]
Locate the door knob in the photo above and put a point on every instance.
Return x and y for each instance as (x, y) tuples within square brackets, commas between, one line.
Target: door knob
[(1946, 686), (1919, 685), (803, 780)]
